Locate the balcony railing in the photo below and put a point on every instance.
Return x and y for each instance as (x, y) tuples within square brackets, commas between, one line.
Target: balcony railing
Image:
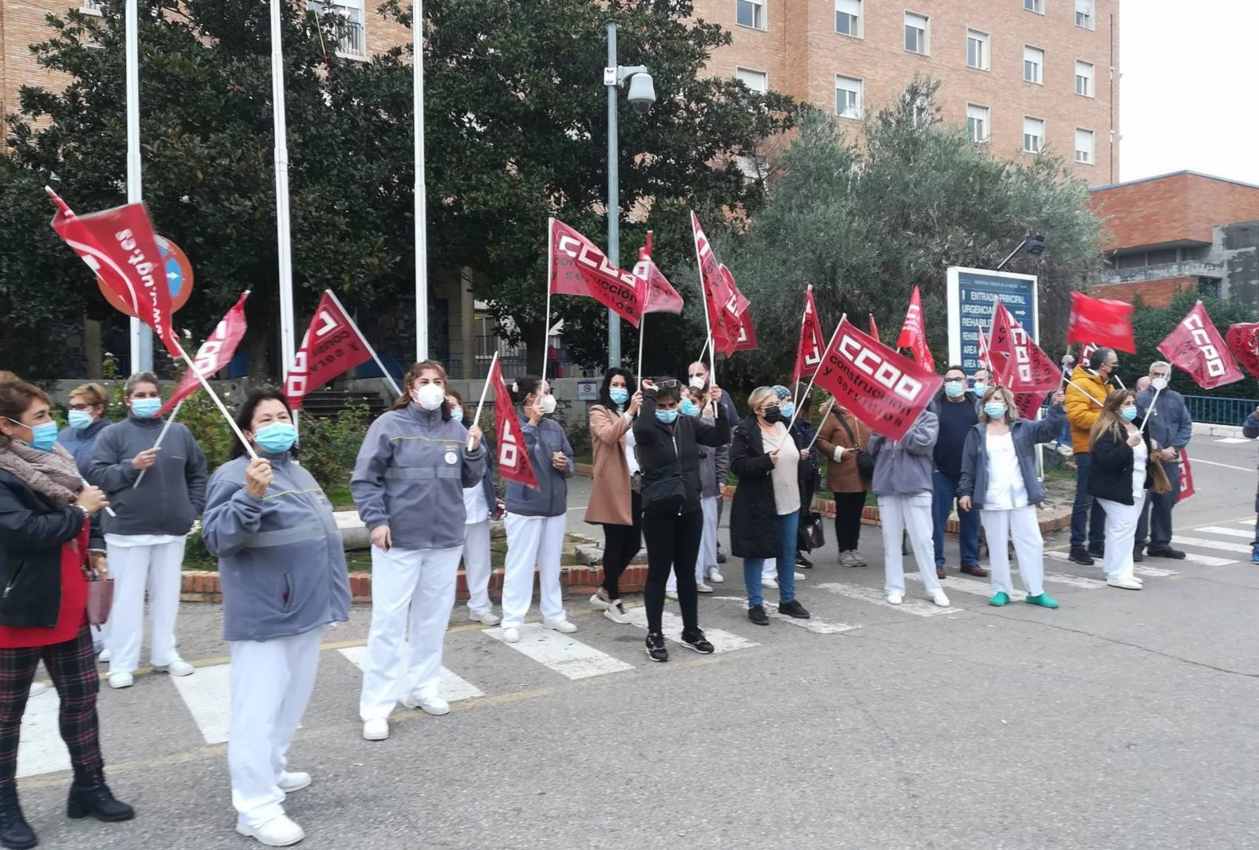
[(353, 43), (1187, 268)]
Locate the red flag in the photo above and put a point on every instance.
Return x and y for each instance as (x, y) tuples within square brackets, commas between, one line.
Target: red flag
[(119, 245), (513, 456), (1196, 347), (576, 266), (740, 334), (914, 333), (746, 334), (1186, 477), (812, 341), (1020, 364), (874, 329), (1029, 404), (214, 354), (655, 293), (332, 346), (882, 388), (713, 284), (1101, 321), (1243, 341)]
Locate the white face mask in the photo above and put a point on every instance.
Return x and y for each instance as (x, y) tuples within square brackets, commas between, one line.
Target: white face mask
[(1159, 383), (429, 396), (548, 404), (696, 383)]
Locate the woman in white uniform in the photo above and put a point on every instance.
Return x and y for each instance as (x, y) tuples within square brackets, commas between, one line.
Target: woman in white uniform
[(1118, 479), (480, 503)]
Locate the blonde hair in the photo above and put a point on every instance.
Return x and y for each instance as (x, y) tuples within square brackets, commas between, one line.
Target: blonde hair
[(759, 396), (1110, 421), (1011, 409), (94, 394)]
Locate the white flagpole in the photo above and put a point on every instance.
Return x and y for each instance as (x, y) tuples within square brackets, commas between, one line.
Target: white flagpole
[(205, 385), (703, 350), (421, 202), (1150, 410), (642, 324), (708, 324), (825, 352), (170, 420), (484, 389), (830, 404), (392, 383), (284, 251), (546, 322), (141, 336)]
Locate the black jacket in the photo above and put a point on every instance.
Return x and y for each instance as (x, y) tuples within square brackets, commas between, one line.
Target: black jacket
[(32, 531), (669, 456), (1110, 473), (808, 471), (754, 514)]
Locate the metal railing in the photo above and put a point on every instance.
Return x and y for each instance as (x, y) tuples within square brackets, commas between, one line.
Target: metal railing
[(1213, 410), (353, 43), (1188, 268)]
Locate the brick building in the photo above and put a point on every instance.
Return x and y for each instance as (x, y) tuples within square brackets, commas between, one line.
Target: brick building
[(1178, 232)]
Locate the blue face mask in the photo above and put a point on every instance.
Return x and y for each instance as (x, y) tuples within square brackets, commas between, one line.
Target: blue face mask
[(980, 388), (689, 408), (954, 389), (667, 417), (43, 437), (1128, 413), (80, 419), (146, 408), (995, 409), (276, 438), (788, 410), (619, 395)]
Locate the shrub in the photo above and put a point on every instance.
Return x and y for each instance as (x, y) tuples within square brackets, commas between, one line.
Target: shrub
[(330, 445)]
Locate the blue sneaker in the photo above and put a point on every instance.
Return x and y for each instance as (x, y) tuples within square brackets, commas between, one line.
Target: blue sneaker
[(1254, 555)]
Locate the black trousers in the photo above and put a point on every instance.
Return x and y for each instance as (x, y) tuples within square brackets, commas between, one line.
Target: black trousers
[(620, 544), (672, 544), (848, 508)]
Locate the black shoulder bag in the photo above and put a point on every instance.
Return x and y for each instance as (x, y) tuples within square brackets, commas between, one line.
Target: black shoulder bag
[(865, 462)]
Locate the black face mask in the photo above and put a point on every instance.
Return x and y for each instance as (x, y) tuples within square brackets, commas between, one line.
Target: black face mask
[(773, 414)]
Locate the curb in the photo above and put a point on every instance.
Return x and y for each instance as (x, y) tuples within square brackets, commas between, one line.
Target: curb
[(1210, 430)]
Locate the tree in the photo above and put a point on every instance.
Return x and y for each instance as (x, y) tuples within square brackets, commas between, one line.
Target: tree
[(1151, 325)]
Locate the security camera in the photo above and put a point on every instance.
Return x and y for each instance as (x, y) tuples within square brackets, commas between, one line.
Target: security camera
[(642, 92)]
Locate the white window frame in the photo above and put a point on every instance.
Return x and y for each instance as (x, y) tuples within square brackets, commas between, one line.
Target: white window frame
[(925, 30), (859, 88), (1090, 16), (355, 12), (1039, 64), (1037, 6), (1091, 152), (90, 7), (985, 122), (759, 11), (1088, 78), (752, 72), (859, 17), (985, 49), (1040, 139)]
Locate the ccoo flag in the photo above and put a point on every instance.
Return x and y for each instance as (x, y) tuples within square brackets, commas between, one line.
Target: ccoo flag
[(214, 354), (513, 453), (655, 293), (914, 332), (1101, 321), (812, 341), (1196, 347), (576, 266), (332, 346)]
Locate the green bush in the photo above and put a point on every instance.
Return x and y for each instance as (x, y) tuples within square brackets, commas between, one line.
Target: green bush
[(330, 445)]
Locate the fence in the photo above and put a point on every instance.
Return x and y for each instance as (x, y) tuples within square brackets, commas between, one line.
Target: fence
[(1219, 411)]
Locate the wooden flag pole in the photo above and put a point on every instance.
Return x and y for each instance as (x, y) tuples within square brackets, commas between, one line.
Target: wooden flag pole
[(484, 389)]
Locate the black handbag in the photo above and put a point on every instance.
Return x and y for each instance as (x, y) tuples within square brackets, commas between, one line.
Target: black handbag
[(665, 493), (810, 534), (865, 461)]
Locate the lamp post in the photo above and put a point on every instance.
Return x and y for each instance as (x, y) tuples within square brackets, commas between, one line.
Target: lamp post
[(1033, 242), (642, 94)]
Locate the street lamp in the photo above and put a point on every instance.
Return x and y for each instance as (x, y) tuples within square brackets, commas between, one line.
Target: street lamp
[(1034, 243), (642, 94)]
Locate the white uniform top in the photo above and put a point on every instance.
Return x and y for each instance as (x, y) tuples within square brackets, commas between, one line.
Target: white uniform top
[(474, 505), (1139, 457), (631, 459), (784, 476), (124, 541), (1006, 490)]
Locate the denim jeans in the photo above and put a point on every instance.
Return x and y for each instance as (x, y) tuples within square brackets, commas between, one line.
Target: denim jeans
[(785, 528), (944, 494), (1088, 519)]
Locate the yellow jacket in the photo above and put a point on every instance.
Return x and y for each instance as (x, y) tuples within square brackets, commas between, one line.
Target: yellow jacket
[(1082, 409)]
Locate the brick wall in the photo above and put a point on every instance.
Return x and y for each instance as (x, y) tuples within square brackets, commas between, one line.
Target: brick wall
[(22, 23), (1178, 207), (1153, 293)]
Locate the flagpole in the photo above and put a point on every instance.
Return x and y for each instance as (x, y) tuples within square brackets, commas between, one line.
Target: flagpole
[(1150, 409), (795, 399), (825, 352), (484, 389), (217, 401), (284, 250), (170, 420), (708, 324), (392, 383), (141, 336), (703, 350), (546, 321), (421, 201), (642, 324), (830, 404)]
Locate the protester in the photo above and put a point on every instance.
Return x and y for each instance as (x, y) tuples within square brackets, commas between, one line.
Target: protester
[(284, 581), (956, 410), (1118, 481), (1250, 430), (615, 495), (842, 438), (1062, 443), (697, 378), (45, 523), (408, 484), (979, 385), (668, 451), (902, 483), (1086, 392), (152, 517), (999, 481), (536, 519), (695, 403), (480, 505), (765, 516), (808, 471), (1170, 428)]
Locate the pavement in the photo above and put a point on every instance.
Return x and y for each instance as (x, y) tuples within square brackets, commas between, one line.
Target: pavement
[(1123, 720)]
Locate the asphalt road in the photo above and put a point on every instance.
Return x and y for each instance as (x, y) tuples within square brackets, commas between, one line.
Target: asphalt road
[(1122, 720)]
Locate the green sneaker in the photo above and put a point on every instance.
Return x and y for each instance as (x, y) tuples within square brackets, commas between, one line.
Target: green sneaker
[(1044, 601), (999, 598)]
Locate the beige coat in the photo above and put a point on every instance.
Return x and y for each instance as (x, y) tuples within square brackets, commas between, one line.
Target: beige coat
[(610, 490), (842, 477)]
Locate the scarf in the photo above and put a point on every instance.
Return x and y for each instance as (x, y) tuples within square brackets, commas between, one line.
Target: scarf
[(53, 474)]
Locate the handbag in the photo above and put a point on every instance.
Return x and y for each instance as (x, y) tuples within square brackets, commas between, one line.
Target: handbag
[(1159, 482), (100, 593), (865, 461), (810, 534)]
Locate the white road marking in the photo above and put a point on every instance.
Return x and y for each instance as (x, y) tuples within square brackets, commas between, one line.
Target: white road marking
[(1227, 532), (1228, 440), (1211, 544), (1198, 460), (40, 748), (452, 687), (917, 607), (813, 624), (208, 696), (671, 625), (1144, 572), (570, 658)]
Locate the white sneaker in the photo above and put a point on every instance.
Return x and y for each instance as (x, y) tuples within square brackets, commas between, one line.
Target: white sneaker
[(511, 634), (671, 594), (767, 581), (121, 680), (703, 588), (799, 576), (562, 626), (939, 598), (37, 688), (616, 613), (293, 781), (1121, 582), (277, 832), (104, 656), (599, 603), (488, 618), (715, 576), (894, 597), (178, 667), (434, 705), (376, 729)]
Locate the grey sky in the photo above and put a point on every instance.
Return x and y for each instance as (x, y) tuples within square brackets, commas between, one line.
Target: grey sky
[(1185, 99)]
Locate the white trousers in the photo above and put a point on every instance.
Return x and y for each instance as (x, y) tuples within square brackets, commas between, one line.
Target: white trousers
[(533, 541), (1023, 526), (1121, 534), (134, 568), (413, 592), (272, 681), (476, 565), (912, 514), (706, 558)]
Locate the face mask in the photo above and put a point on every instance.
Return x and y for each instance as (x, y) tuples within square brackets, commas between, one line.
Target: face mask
[(619, 395), (772, 414), (995, 409), (548, 405), (980, 388), (43, 437), (696, 382), (456, 413), (1159, 384), (80, 419), (146, 408), (276, 438), (1128, 413), (667, 417), (954, 389), (689, 408), (429, 396), (787, 409)]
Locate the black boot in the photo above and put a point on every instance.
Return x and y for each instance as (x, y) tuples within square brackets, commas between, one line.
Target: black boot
[(15, 832), (98, 801)]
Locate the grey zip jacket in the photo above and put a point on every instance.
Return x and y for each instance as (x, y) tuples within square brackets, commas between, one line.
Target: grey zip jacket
[(551, 497), (903, 467), (1025, 433), (172, 494), (281, 560), (410, 475)]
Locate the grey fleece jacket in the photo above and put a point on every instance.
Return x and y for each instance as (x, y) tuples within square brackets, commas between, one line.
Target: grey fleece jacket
[(281, 560), (551, 497), (903, 467), (410, 475), (172, 494)]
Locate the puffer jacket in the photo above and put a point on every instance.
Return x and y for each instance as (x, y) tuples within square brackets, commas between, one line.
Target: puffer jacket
[(1083, 409), (551, 497)]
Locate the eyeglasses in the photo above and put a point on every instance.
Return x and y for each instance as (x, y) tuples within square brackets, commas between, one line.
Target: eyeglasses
[(664, 383)]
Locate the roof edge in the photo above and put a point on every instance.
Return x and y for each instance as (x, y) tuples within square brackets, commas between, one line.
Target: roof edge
[(1183, 172)]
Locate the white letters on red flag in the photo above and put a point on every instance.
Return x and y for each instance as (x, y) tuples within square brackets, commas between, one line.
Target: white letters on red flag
[(1018, 362), (513, 455), (1102, 322), (914, 332), (740, 333), (1186, 477), (213, 355), (809, 349), (655, 293), (883, 389), (577, 267), (332, 346), (713, 284), (1196, 347), (119, 245)]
